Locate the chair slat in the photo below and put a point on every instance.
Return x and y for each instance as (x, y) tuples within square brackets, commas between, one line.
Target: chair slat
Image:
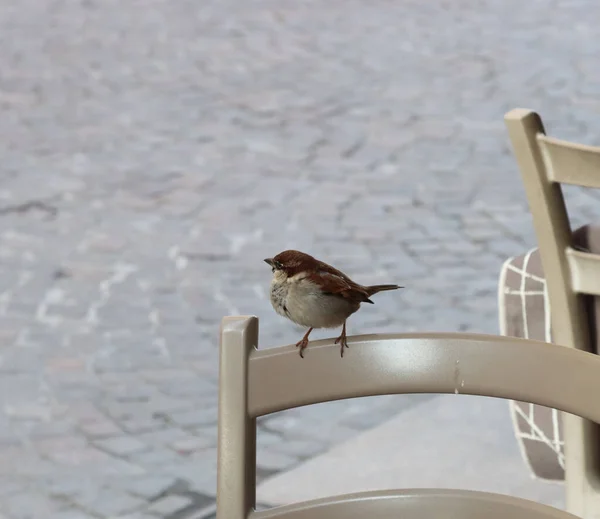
[(473, 364), (585, 271), (570, 163)]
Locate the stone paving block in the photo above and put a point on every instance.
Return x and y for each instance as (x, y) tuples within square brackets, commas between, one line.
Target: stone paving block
[(109, 503), (202, 482), (209, 432), (30, 505), (142, 423), (122, 445), (137, 515), (271, 460), (377, 410), (288, 423), (168, 505), (134, 391), (61, 447), (69, 514), (65, 485), (294, 448), (163, 437), (65, 454), (191, 387), (266, 438), (163, 406), (168, 375), (148, 486), (9, 486), (156, 457), (194, 417), (192, 444)]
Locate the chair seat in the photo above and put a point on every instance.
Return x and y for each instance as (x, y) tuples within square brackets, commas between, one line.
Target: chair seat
[(416, 504)]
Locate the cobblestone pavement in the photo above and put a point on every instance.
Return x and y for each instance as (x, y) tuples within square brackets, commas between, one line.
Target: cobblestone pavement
[(154, 152)]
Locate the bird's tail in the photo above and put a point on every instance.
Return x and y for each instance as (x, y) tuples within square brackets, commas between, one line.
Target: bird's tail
[(381, 288)]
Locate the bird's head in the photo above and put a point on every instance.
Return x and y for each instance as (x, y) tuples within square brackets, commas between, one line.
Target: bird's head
[(291, 262)]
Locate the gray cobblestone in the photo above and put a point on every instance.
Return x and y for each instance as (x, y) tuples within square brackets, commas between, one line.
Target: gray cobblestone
[(141, 423), (199, 472), (163, 437), (22, 506), (266, 438), (69, 514), (271, 460), (168, 505), (122, 445), (164, 173), (196, 417), (193, 444), (148, 486), (156, 457), (208, 432), (109, 503), (298, 448)]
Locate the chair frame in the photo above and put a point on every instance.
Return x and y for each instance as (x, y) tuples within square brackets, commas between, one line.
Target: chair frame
[(545, 163), (254, 383)]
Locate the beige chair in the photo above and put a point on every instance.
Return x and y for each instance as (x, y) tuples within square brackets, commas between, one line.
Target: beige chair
[(545, 163), (253, 383)]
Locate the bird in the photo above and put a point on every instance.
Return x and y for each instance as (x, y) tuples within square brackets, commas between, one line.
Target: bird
[(314, 294)]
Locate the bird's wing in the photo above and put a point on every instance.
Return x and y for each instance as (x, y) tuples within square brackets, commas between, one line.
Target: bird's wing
[(340, 285)]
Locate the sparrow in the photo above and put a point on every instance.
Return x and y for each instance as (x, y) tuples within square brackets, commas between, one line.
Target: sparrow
[(312, 293)]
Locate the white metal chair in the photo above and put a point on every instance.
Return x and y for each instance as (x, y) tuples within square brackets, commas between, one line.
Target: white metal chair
[(254, 383)]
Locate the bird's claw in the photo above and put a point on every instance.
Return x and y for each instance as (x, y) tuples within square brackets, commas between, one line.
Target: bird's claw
[(343, 342), (302, 345)]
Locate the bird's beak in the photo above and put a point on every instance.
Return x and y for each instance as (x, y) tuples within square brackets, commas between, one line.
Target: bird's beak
[(269, 261)]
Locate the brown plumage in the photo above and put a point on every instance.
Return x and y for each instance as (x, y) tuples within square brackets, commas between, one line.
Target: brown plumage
[(312, 293)]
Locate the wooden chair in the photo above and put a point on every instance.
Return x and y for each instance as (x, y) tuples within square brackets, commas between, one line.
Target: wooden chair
[(253, 383), (546, 163)]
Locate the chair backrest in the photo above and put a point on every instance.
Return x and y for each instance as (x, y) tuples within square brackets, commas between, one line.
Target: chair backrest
[(253, 383), (545, 163)]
